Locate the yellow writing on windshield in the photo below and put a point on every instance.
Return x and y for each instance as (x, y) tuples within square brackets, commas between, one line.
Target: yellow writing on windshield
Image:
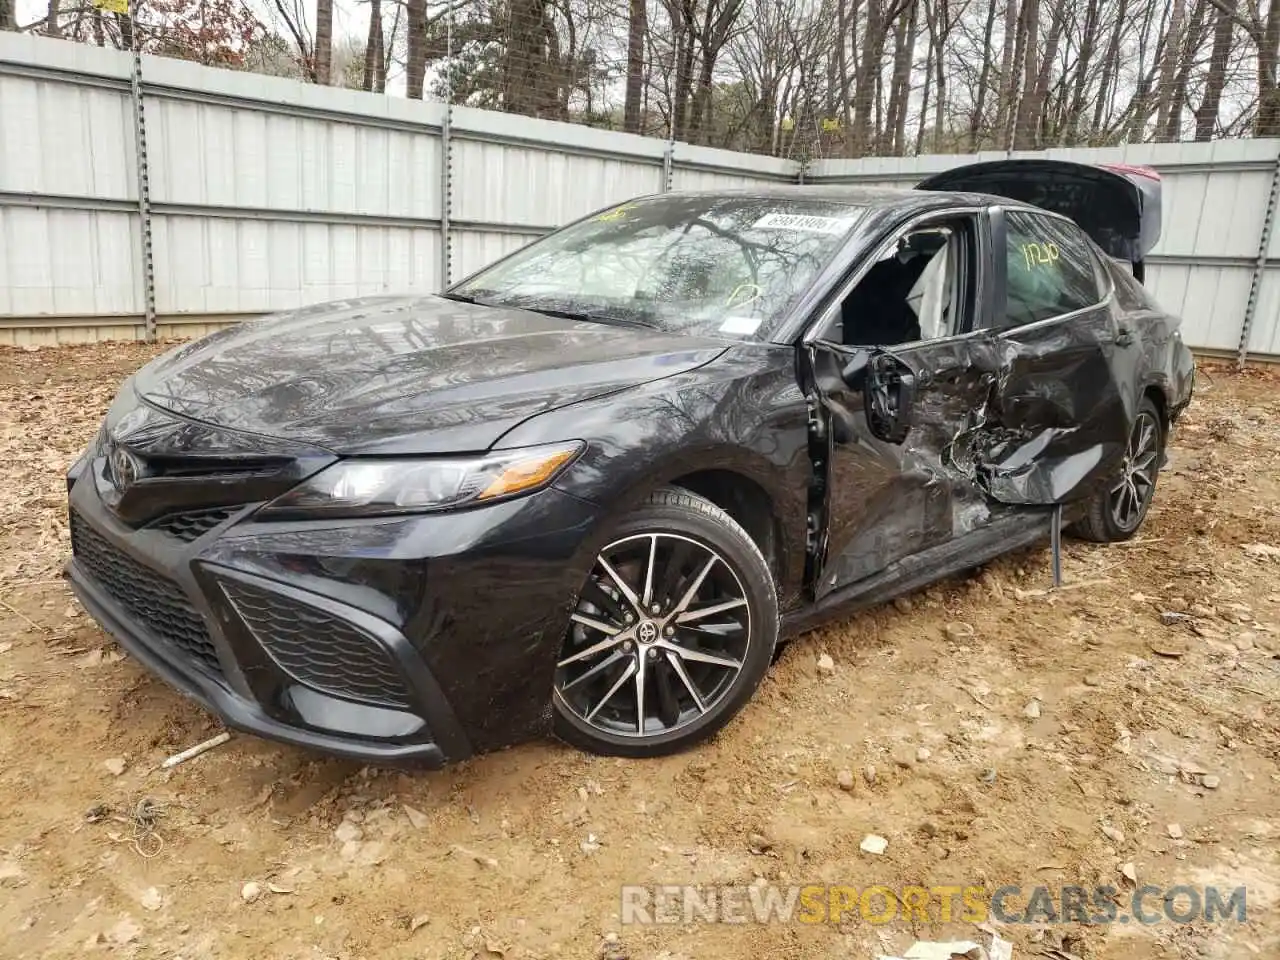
[(743, 294), (617, 213), (1038, 254)]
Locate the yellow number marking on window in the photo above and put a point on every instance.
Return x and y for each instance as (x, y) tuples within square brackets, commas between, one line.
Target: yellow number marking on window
[(1039, 254)]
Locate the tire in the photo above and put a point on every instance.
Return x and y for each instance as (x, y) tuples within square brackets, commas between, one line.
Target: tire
[(685, 699), (1104, 521)]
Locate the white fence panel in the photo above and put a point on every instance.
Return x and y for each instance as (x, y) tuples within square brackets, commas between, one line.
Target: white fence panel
[(517, 171), (704, 168), (474, 249)]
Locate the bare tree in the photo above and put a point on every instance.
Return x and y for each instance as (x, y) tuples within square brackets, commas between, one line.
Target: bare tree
[(324, 40), (638, 24), (1210, 102), (1264, 31)]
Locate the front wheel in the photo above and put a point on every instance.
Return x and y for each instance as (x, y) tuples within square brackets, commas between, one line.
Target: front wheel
[(1116, 512), (673, 630)]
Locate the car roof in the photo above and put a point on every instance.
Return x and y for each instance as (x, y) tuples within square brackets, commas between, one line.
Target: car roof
[(905, 198)]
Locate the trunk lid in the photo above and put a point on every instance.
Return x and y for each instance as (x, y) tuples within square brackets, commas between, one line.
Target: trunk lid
[(1117, 205)]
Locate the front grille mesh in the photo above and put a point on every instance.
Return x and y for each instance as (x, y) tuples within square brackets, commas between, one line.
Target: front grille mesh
[(320, 650), (193, 524), (146, 595)]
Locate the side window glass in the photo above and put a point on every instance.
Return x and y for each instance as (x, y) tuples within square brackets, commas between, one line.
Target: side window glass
[(911, 293), (1051, 270)]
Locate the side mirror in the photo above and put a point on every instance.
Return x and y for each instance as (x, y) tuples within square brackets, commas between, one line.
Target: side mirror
[(854, 373), (889, 398)]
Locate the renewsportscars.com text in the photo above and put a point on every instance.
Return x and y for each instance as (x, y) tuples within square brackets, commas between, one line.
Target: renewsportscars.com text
[(821, 903)]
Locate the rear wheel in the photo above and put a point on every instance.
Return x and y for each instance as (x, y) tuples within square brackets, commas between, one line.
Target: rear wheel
[(1117, 512), (673, 630)]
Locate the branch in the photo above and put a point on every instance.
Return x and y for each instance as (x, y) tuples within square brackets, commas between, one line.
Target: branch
[(1252, 27)]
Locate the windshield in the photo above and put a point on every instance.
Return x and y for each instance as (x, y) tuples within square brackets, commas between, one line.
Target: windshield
[(706, 266)]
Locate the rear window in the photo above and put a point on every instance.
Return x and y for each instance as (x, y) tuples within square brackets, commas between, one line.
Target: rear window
[(1051, 269)]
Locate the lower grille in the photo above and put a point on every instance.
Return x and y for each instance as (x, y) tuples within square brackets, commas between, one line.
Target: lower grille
[(146, 595), (320, 650), (193, 524)]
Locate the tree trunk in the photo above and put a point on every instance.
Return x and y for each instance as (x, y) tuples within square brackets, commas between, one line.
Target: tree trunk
[(865, 89), (984, 78), (52, 27), (1195, 35), (126, 30), (699, 106), (1207, 112), (904, 43), (847, 23), (324, 40), (941, 30), (635, 66), (1004, 104), (8, 15), (415, 67), (1088, 45), (1110, 67), (1023, 133), (1169, 65), (373, 46), (924, 100), (684, 68), (700, 115), (1041, 96), (1268, 124)]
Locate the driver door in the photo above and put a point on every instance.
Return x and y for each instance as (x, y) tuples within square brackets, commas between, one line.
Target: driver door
[(902, 384)]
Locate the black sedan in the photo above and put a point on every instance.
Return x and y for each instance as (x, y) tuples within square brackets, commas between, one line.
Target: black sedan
[(591, 488)]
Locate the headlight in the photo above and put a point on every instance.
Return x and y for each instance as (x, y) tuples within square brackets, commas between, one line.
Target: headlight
[(371, 487)]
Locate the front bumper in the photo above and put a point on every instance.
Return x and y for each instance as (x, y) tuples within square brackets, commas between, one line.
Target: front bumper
[(418, 640)]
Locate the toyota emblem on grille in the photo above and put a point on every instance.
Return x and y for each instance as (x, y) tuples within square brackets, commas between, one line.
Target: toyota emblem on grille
[(125, 469)]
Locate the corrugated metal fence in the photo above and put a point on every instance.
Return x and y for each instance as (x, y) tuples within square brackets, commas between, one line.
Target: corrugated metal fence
[(263, 194)]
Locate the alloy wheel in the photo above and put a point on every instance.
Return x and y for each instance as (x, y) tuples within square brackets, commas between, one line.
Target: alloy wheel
[(1130, 497), (659, 635)]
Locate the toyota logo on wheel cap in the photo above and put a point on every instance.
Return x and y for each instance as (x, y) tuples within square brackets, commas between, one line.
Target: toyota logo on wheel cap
[(647, 632)]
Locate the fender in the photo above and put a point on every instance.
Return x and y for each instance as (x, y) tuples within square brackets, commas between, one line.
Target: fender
[(743, 413)]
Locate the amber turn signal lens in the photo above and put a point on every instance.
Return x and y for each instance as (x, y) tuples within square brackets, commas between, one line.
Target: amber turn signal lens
[(526, 474)]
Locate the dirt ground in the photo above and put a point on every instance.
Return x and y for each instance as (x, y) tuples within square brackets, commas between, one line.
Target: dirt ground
[(994, 732)]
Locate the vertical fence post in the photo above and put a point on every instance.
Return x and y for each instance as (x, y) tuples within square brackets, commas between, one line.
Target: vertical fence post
[(446, 158), (668, 164), (1259, 266), (144, 180)]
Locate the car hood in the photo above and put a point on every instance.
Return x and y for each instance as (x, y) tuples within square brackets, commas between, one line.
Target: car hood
[(391, 375)]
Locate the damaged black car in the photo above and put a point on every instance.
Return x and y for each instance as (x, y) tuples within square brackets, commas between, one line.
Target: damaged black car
[(591, 488)]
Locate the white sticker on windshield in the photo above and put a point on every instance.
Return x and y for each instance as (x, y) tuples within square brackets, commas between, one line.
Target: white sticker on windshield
[(740, 325), (792, 221)]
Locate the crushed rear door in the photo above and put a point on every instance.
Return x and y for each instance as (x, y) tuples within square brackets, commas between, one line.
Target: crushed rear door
[(1117, 205)]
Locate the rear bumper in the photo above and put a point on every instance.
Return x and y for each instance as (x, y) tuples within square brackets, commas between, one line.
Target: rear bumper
[(416, 641)]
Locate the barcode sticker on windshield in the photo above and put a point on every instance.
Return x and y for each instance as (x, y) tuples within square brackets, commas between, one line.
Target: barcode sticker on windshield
[(792, 221), (740, 325)]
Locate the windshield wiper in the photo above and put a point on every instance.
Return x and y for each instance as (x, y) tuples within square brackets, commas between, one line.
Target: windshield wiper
[(594, 316)]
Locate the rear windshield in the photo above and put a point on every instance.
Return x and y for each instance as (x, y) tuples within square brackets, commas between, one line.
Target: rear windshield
[(706, 266)]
